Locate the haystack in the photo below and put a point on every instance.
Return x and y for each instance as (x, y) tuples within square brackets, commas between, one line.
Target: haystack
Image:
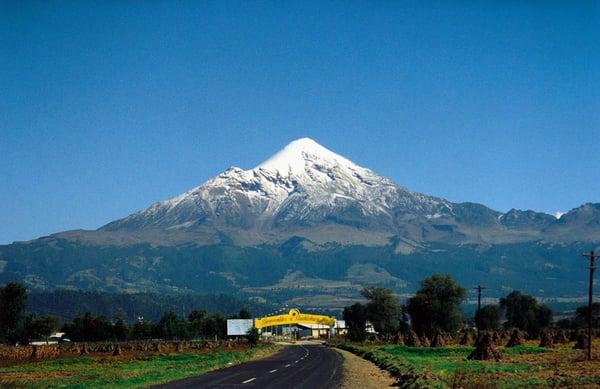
[(547, 339), (496, 338), (412, 340), (561, 337), (485, 349), (581, 342), (397, 339), (468, 339), (437, 340), (516, 338)]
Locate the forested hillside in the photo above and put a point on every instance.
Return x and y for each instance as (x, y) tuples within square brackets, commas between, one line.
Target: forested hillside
[(68, 304)]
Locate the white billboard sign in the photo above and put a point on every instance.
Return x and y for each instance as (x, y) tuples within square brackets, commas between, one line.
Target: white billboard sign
[(239, 326)]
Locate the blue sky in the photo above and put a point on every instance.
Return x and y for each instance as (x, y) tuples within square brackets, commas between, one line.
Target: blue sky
[(106, 107)]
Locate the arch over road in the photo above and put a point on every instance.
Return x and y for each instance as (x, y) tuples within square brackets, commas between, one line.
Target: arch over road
[(293, 317)]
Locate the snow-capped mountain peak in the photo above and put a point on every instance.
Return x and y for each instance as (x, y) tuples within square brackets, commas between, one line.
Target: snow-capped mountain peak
[(304, 184), (293, 158)]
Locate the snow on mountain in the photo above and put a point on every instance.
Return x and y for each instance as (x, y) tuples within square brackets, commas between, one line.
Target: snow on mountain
[(304, 184), (294, 158)]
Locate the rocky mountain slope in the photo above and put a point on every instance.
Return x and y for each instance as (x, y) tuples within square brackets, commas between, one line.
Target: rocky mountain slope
[(303, 185), (306, 186), (310, 226)]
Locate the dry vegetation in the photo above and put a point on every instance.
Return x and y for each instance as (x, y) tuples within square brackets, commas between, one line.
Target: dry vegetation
[(360, 373)]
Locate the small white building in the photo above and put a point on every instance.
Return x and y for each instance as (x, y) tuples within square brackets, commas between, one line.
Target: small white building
[(321, 330), (312, 330), (54, 338)]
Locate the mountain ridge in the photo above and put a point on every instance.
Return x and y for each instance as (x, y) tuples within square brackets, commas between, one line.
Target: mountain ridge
[(305, 185), (309, 227)]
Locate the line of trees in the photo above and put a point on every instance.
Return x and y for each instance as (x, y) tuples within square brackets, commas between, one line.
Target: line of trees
[(198, 325), (69, 304), (580, 318), (436, 308), (16, 327), (520, 311)]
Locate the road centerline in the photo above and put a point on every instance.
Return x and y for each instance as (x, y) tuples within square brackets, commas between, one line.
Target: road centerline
[(320, 368)]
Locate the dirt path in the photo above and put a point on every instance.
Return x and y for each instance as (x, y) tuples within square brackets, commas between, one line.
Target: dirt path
[(360, 373)]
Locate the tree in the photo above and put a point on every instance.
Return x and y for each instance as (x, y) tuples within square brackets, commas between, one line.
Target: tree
[(142, 329), (436, 305), (171, 326), (41, 328), (102, 329), (525, 313), (355, 317), (89, 328), (383, 310), (22, 333), (196, 323), (488, 318), (120, 329), (34, 328), (13, 297), (581, 316), (253, 336), (215, 326), (79, 328), (244, 314), (564, 324)]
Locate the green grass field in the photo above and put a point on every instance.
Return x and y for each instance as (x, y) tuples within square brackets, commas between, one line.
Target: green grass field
[(521, 367), (103, 372)]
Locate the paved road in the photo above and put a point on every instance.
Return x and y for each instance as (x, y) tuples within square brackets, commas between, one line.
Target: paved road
[(305, 366)]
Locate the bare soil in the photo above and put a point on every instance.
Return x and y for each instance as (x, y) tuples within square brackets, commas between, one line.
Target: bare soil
[(360, 373)]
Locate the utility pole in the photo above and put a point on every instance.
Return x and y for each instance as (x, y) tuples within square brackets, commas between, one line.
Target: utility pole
[(478, 288), (592, 257)]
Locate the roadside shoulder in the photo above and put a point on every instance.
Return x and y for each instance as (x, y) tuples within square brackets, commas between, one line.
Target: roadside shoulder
[(360, 373)]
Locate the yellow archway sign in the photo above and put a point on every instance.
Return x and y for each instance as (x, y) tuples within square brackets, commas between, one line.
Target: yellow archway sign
[(293, 317)]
